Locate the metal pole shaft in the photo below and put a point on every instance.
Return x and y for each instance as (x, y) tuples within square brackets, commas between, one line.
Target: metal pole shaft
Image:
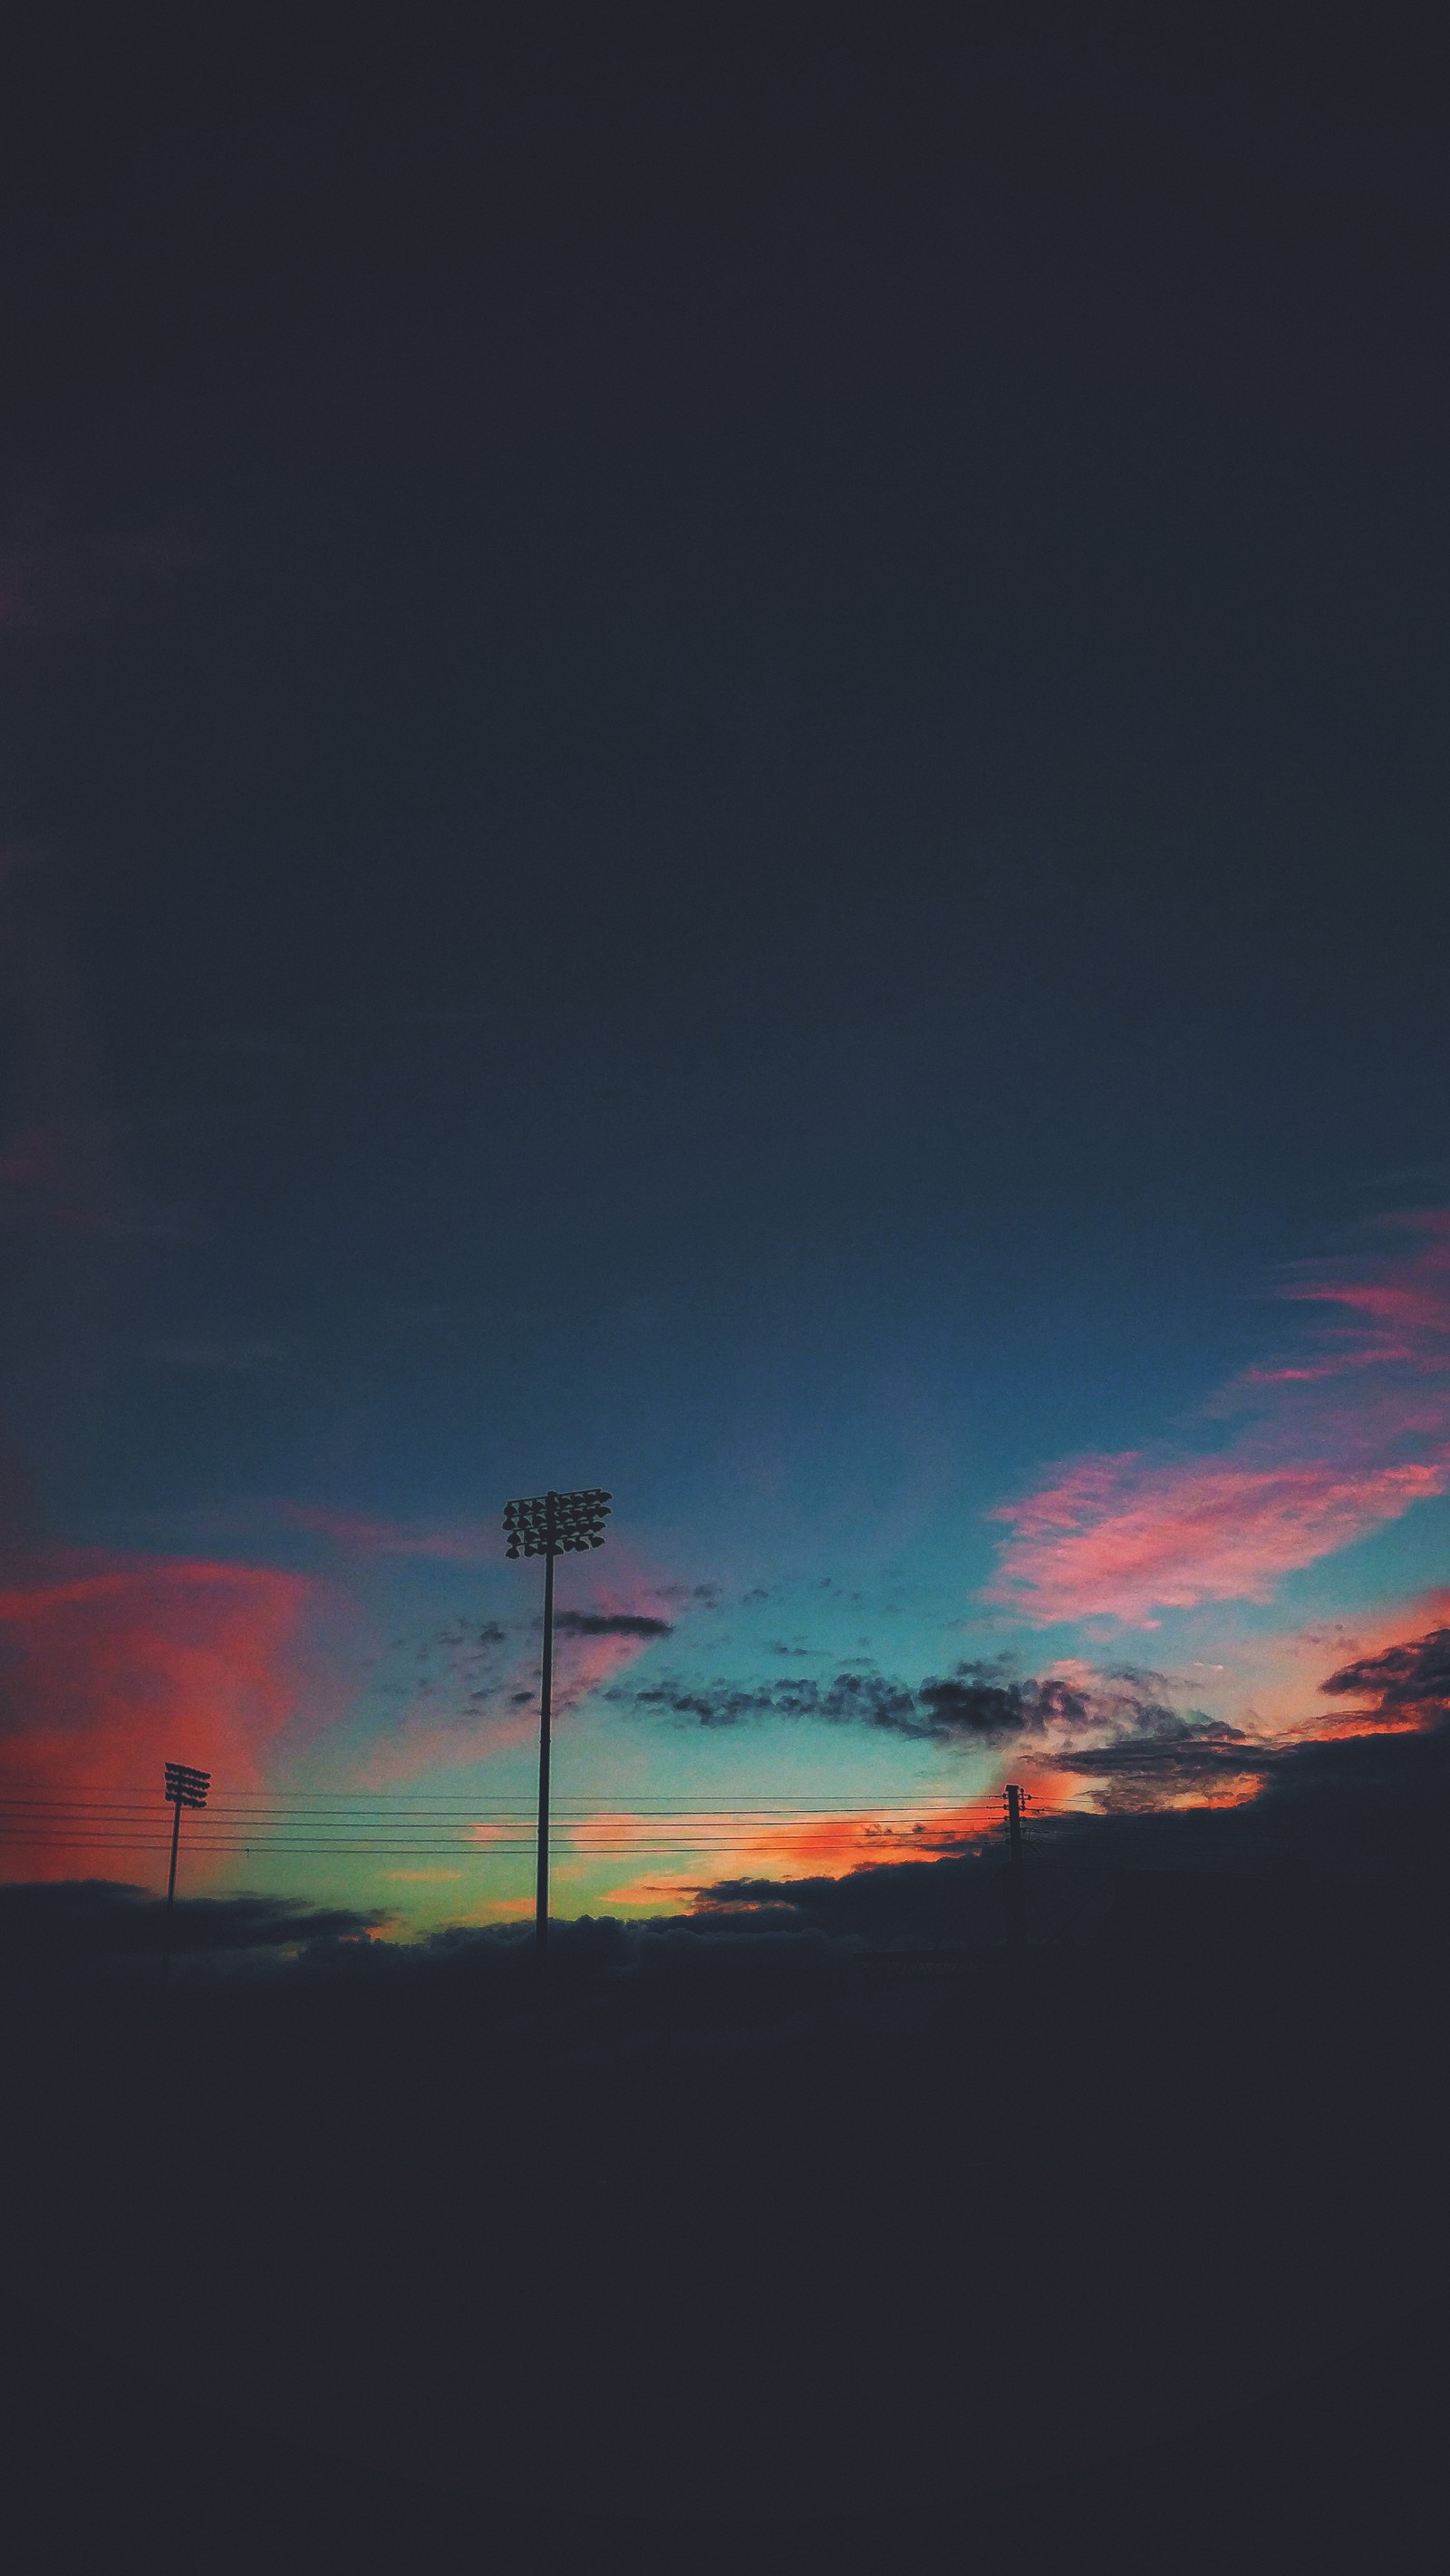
[(170, 1893), (546, 1695)]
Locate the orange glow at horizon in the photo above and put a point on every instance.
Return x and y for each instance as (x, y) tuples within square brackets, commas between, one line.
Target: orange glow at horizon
[(820, 1846)]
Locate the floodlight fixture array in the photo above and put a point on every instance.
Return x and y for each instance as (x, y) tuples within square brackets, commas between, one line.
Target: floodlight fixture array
[(555, 1524), (186, 1787)]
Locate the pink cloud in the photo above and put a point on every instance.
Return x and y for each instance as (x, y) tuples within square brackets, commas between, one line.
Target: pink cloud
[(1325, 1450), (115, 1667)]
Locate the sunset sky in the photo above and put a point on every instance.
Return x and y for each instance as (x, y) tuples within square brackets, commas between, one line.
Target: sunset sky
[(735, 787)]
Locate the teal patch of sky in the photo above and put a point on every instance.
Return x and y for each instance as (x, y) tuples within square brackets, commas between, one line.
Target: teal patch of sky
[(1402, 1558)]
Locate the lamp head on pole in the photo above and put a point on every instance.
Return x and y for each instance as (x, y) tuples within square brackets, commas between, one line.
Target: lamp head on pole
[(186, 1787), (554, 1524)]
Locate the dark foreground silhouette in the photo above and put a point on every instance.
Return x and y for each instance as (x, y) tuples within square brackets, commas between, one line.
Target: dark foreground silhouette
[(747, 2223)]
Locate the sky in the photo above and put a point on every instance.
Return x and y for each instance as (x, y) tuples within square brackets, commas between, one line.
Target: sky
[(723, 774)]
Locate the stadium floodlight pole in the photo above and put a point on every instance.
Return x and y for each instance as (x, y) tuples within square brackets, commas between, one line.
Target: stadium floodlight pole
[(184, 1788), (550, 1525)]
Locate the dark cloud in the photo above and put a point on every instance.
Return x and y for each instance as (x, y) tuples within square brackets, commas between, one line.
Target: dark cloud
[(976, 1704), (93, 1918), (99, 1923), (862, 1699), (951, 1897), (454, 1670), (1348, 1835), (1185, 1757), (1402, 1680), (610, 1623)]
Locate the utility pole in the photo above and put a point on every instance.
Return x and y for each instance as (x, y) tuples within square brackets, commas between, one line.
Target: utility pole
[(184, 1788), (548, 1525), (1014, 1801)]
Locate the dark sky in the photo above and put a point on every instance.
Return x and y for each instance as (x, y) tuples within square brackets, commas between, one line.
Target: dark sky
[(726, 773)]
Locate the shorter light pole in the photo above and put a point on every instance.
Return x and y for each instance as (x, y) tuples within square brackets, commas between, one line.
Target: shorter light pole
[(548, 1525), (184, 1788)]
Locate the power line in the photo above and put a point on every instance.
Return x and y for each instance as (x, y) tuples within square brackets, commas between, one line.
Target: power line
[(742, 1844), (649, 1819), (358, 1825), (476, 1825), (347, 1800)]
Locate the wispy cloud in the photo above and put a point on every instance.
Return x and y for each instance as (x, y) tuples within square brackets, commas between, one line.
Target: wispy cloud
[(1322, 1448), (1193, 1763), (610, 1623), (486, 1695), (854, 1698), (978, 1707), (1111, 1741)]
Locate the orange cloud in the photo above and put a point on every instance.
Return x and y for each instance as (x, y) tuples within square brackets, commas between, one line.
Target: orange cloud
[(1381, 1673), (1328, 1451), (114, 1670), (662, 1891), (822, 1846), (497, 1909), (1272, 1684)]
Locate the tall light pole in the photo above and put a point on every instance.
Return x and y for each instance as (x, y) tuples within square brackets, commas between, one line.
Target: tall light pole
[(549, 1525), (184, 1788)]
